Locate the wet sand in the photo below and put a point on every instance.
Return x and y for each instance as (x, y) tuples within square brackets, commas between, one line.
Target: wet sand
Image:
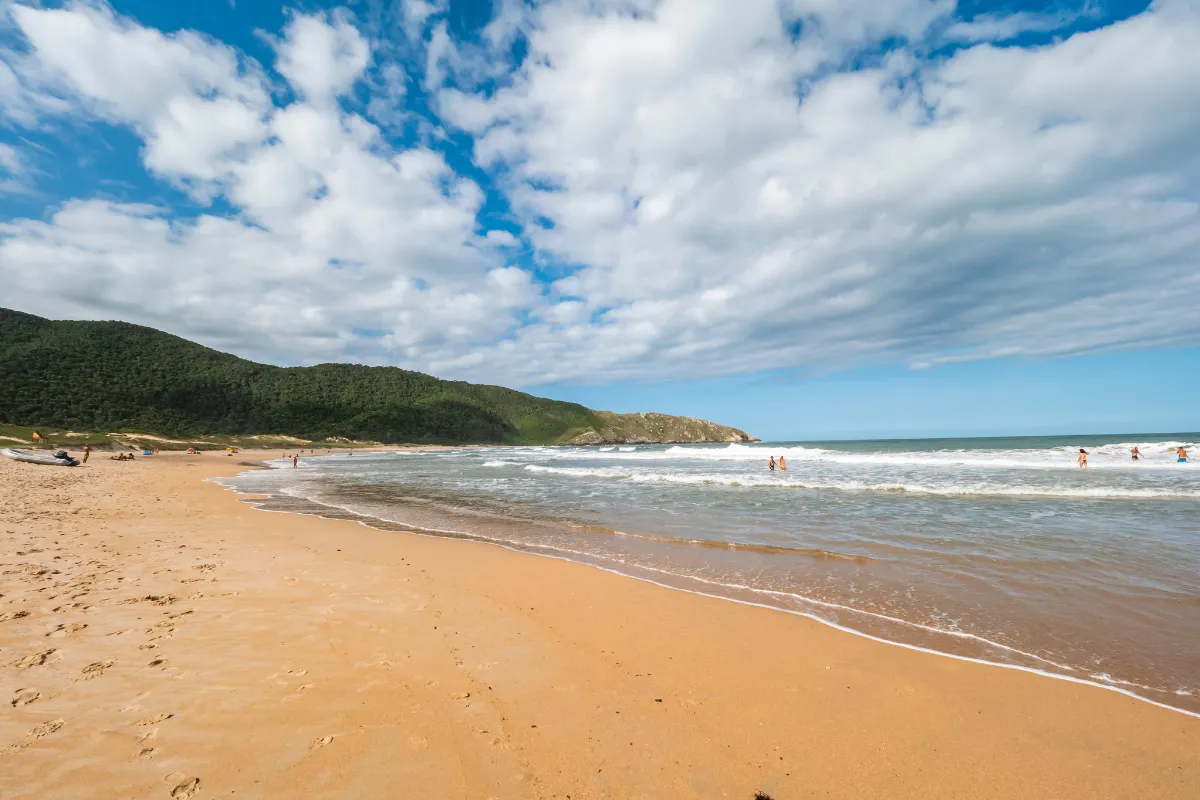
[(159, 638)]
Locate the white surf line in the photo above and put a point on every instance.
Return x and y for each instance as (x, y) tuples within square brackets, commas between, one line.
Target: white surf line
[(459, 536)]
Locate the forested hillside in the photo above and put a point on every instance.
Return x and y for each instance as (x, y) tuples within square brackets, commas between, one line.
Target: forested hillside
[(114, 376), (109, 376)]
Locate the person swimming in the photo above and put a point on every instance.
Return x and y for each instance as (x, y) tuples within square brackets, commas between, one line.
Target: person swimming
[(1182, 453), (771, 463), (1136, 454), (1083, 454)]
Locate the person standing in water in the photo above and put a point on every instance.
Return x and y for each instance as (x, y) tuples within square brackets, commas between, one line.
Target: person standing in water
[(294, 460), (1083, 458), (771, 463), (1182, 454), (782, 465), (1136, 454)]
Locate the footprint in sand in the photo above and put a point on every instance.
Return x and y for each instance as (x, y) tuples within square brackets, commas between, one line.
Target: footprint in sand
[(319, 743), (145, 753), (24, 697), (182, 785), (157, 718), (67, 629), (95, 669), (38, 659), (45, 729)]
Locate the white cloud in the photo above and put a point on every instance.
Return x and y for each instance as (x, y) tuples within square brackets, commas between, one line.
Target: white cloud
[(11, 162), (1004, 201), (714, 188), (417, 13), (502, 238), (1000, 28), (322, 57), (13, 173), (189, 97)]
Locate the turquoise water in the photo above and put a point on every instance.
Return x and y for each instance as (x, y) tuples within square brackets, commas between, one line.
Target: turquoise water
[(997, 549)]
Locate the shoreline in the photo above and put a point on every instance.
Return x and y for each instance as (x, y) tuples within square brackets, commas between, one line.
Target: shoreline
[(259, 502), (363, 661)]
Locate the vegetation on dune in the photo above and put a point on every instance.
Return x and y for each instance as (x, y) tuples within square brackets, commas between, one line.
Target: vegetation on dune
[(116, 377), (53, 438)]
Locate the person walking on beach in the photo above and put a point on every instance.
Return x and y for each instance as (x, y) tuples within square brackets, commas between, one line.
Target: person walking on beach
[(87, 451), (1182, 454), (771, 463), (1082, 458), (782, 465)]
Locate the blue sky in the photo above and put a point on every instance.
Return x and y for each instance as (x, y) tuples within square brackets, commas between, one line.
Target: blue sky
[(806, 218)]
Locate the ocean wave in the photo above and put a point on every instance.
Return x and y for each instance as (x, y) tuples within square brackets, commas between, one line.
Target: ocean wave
[(778, 481), (1155, 456)]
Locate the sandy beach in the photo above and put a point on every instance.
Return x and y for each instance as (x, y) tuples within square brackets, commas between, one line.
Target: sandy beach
[(158, 638)]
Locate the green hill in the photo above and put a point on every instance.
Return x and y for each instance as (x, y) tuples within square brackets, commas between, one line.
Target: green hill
[(114, 376)]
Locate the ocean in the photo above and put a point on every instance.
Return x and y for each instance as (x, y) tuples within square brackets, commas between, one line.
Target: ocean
[(1000, 550)]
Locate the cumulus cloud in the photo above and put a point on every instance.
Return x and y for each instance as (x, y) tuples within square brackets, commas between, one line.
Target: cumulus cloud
[(322, 57), (736, 205), (701, 189)]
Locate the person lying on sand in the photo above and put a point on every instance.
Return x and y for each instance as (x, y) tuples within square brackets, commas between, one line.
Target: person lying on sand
[(120, 457)]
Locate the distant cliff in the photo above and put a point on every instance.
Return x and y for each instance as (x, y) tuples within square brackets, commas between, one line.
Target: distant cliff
[(113, 376), (656, 429)]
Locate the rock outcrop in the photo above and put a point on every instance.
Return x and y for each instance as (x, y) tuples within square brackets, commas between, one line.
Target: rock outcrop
[(656, 429)]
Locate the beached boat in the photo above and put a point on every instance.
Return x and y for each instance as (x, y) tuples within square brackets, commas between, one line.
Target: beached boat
[(59, 459)]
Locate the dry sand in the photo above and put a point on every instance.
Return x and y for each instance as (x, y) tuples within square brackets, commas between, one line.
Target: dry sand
[(160, 639)]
